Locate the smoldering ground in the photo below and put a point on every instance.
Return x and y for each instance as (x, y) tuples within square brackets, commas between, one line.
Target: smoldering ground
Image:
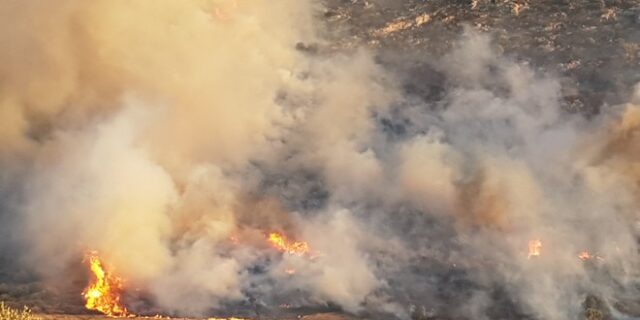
[(173, 136)]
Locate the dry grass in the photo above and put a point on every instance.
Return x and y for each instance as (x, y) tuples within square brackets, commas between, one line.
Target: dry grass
[(7, 313), (594, 314)]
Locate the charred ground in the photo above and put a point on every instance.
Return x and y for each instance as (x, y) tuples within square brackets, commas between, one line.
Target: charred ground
[(592, 46)]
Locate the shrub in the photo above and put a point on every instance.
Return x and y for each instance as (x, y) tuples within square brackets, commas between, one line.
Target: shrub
[(594, 314)]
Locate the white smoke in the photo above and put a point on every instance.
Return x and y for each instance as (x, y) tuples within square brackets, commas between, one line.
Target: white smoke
[(173, 137)]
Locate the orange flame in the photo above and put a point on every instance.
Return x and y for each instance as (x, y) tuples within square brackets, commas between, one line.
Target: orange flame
[(103, 292), (280, 242), (586, 255), (222, 14), (535, 247)]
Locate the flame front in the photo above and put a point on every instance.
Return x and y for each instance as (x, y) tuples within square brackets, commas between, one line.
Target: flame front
[(535, 247), (280, 242), (103, 292)]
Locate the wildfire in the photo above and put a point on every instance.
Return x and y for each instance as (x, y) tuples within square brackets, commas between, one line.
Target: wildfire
[(103, 292), (222, 14), (585, 255), (280, 242), (534, 248)]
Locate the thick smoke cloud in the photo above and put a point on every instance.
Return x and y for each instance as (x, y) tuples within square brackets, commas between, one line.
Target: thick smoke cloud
[(173, 136)]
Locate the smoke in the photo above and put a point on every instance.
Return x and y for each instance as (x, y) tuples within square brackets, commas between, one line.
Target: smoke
[(173, 137)]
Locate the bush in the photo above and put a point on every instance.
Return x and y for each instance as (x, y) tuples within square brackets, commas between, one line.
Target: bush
[(594, 314), (7, 313)]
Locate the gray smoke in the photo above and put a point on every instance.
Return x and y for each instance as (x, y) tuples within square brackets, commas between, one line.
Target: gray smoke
[(173, 137)]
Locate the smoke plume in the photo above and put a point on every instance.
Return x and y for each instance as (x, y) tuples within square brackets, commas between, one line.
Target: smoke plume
[(172, 137)]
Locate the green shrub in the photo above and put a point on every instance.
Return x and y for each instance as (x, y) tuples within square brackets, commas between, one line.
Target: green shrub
[(7, 313)]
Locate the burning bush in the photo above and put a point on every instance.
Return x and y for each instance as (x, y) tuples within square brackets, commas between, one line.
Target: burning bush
[(103, 293), (7, 313)]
